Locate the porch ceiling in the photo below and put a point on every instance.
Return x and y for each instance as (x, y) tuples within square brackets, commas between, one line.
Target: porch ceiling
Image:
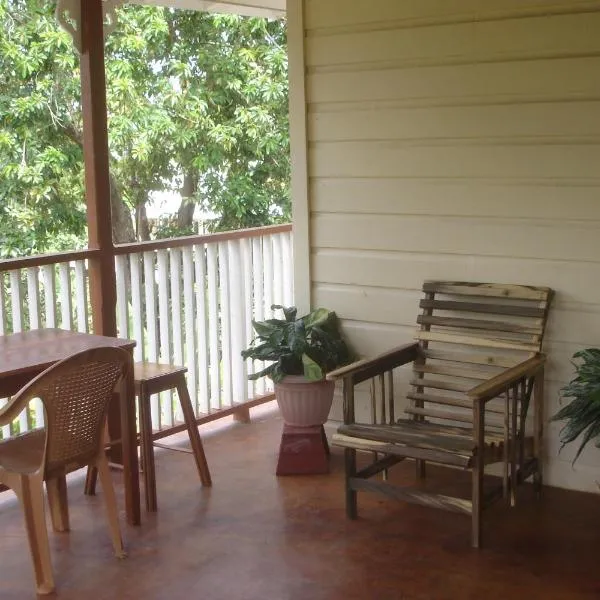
[(251, 8)]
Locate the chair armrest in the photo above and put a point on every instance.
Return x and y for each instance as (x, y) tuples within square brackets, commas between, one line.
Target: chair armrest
[(362, 370), (12, 410), (495, 386)]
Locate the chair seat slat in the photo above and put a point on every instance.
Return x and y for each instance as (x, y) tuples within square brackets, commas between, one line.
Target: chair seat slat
[(410, 435), (450, 401), (440, 384), (370, 445), (443, 430), (451, 416), (427, 435)]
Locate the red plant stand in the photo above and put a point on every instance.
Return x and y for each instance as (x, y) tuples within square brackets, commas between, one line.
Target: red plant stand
[(303, 451)]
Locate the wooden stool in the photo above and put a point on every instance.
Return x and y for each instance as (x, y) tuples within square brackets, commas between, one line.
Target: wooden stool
[(153, 378)]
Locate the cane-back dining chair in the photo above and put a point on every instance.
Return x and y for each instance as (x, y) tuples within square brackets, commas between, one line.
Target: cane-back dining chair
[(476, 368), (75, 393)]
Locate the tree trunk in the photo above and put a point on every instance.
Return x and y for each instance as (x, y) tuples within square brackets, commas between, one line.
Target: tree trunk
[(141, 221), (122, 224), (185, 214)]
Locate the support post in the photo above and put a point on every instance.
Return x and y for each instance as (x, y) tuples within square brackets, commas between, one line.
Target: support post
[(103, 289)]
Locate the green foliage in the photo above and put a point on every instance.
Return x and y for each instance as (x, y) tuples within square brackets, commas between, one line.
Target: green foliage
[(190, 95), (311, 345), (41, 177), (582, 414)]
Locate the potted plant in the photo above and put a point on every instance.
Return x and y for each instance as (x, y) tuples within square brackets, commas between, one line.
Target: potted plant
[(301, 350), (582, 414)]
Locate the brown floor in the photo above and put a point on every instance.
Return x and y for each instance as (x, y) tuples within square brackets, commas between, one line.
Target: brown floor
[(256, 537)]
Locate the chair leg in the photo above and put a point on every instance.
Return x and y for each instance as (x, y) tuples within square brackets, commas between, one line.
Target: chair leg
[(538, 400), (145, 416), (91, 479), (110, 500), (421, 468), (58, 503), (477, 503), (351, 501), (31, 497), (538, 480), (195, 441)]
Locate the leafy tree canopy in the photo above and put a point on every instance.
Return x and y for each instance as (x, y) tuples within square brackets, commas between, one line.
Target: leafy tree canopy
[(196, 103)]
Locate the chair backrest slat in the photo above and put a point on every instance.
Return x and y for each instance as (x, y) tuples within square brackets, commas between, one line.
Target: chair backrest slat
[(469, 332), (464, 339), (490, 290)]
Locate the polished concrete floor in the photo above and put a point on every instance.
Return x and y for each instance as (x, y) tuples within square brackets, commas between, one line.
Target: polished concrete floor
[(257, 537)]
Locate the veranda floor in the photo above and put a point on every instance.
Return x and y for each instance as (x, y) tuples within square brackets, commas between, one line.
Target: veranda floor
[(256, 537)]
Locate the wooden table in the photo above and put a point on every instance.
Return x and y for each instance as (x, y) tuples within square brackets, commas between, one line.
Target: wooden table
[(24, 355)]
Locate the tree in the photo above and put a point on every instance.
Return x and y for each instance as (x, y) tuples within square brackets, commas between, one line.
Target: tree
[(41, 198), (196, 102)]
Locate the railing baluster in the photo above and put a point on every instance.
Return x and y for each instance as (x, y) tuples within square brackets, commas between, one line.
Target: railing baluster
[(203, 401), (288, 280), (81, 296), (164, 334), (136, 306), (213, 326), (268, 276), (189, 327), (277, 271), (5, 430), (33, 303), (122, 300), (248, 309), (48, 274), (175, 272), (66, 314), (16, 301), (225, 315), (2, 304), (33, 297), (259, 303), (151, 321), (237, 300)]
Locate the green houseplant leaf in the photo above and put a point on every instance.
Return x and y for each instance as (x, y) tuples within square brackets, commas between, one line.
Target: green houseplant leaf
[(581, 415), (310, 345), (312, 370)]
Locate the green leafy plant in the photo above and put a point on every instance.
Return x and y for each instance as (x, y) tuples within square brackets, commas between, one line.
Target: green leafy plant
[(582, 414), (310, 345)]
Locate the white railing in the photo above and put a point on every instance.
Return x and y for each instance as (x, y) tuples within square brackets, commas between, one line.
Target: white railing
[(42, 295), (186, 301)]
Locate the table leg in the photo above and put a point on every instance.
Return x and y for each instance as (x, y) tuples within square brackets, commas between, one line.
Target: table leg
[(131, 476)]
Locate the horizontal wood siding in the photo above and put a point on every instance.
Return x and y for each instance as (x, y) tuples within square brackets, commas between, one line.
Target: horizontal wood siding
[(456, 139)]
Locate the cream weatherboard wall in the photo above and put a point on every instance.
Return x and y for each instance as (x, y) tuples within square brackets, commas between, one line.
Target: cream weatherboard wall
[(455, 139)]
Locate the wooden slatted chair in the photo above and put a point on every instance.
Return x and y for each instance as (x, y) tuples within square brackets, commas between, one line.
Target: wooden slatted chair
[(477, 365)]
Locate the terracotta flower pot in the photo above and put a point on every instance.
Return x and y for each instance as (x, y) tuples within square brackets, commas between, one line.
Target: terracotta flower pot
[(302, 402)]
